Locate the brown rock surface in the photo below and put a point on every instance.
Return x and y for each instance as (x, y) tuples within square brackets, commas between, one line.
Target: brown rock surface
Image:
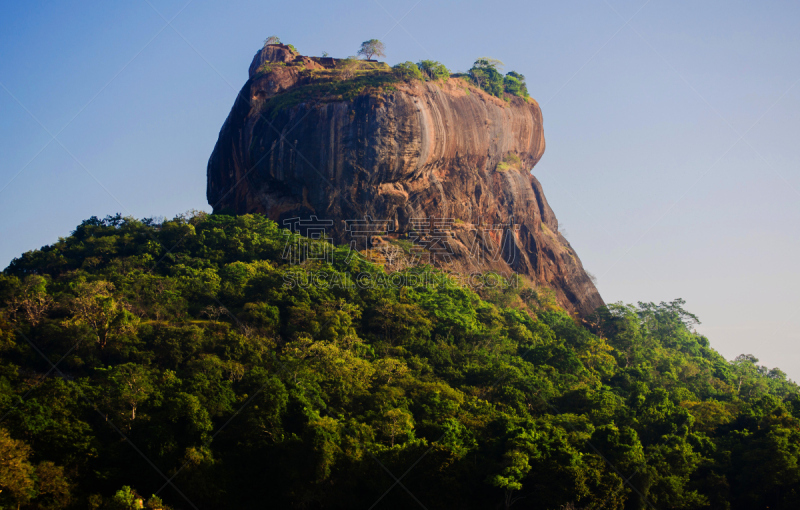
[(422, 150)]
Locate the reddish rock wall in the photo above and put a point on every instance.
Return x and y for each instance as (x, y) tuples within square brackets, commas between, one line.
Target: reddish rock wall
[(423, 150)]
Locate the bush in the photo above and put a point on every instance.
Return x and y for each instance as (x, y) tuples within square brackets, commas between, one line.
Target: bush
[(433, 70), (514, 84), (126, 499), (407, 71), (347, 68), (510, 161), (485, 75)]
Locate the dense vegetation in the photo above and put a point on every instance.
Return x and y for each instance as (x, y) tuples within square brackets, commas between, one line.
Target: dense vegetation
[(192, 350), (485, 73)]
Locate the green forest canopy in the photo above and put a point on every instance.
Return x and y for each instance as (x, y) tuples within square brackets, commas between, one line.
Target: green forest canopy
[(181, 350)]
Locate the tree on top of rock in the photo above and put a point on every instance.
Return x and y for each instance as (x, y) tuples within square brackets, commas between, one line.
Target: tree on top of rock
[(372, 48), (485, 72), (273, 39)]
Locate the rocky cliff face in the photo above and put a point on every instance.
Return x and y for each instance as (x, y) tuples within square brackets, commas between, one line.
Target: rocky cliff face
[(406, 153)]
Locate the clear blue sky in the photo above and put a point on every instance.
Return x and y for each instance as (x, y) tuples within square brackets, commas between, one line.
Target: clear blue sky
[(672, 141)]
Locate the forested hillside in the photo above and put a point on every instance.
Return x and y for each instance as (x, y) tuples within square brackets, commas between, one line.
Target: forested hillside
[(191, 364)]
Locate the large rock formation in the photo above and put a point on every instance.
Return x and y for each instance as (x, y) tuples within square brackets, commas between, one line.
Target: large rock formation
[(295, 145)]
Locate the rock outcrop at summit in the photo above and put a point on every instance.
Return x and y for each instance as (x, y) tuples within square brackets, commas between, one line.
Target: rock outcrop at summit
[(296, 146)]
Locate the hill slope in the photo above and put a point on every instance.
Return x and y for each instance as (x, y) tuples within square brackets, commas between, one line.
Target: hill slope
[(192, 350)]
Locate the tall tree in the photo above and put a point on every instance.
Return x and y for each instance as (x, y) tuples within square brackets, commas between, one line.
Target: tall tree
[(16, 472), (32, 299), (372, 48), (485, 72), (95, 305)]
